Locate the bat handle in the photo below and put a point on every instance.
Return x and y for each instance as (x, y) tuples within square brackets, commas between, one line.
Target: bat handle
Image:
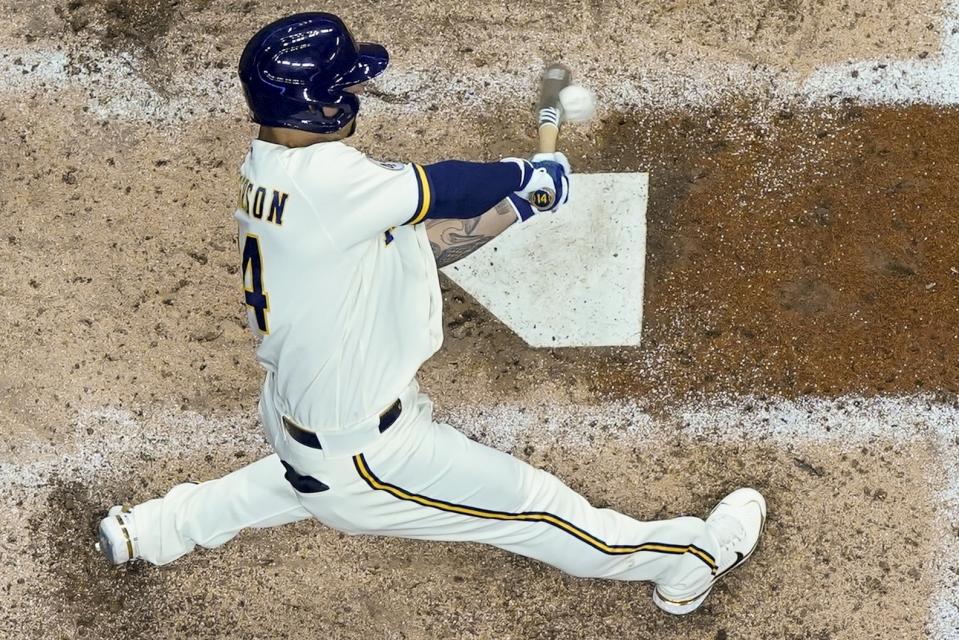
[(548, 133), (549, 119)]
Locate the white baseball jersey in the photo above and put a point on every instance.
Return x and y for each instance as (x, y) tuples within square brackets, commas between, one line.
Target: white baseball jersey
[(345, 298)]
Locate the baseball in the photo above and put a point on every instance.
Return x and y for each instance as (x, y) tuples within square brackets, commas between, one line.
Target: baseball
[(579, 103)]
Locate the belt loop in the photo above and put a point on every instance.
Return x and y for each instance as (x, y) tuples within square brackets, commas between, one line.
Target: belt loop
[(347, 440), (388, 417)]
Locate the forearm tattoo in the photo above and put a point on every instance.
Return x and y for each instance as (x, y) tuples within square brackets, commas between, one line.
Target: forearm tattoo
[(453, 240)]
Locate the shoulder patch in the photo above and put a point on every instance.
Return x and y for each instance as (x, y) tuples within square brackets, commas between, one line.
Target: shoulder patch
[(392, 166)]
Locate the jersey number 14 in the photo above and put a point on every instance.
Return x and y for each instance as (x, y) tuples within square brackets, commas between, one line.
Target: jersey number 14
[(255, 297)]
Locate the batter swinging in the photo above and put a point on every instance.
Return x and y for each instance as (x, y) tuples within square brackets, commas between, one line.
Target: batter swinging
[(339, 258)]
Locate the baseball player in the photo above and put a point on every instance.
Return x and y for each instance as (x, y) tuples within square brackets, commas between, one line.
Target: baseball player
[(339, 259)]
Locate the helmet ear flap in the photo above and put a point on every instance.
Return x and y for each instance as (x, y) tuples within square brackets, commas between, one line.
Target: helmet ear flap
[(332, 113), (348, 105), (326, 111)]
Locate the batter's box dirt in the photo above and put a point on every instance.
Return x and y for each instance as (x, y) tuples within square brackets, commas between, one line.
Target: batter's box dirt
[(846, 548)]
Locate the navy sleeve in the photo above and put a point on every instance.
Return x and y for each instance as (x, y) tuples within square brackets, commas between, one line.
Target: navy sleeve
[(458, 189)]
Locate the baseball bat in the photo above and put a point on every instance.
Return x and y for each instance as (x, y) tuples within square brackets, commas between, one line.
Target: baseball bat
[(555, 78)]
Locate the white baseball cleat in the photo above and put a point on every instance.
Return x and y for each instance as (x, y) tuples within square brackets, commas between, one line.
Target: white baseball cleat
[(737, 522), (118, 536)]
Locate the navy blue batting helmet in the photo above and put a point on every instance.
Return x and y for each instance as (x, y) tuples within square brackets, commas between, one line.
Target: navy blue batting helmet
[(294, 67)]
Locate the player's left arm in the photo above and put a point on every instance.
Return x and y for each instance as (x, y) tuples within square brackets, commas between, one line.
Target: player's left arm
[(453, 239)]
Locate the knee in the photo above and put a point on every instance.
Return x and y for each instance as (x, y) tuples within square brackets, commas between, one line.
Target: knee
[(585, 568)]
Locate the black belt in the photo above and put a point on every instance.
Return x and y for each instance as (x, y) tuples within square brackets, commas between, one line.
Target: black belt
[(308, 438)]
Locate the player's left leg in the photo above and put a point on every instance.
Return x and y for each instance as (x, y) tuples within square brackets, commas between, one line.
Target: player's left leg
[(426, 480), (454, 488), (206, 514)]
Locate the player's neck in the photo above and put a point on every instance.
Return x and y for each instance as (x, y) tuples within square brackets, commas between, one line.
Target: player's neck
[(295, 138)]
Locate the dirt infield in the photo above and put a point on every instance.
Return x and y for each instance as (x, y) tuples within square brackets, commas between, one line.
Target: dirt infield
[(799, 325)]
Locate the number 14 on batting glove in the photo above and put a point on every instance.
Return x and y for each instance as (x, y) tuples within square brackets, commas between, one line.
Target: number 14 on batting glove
[(544, 185)]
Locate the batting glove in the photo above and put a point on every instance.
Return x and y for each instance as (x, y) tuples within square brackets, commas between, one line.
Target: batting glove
[(544, 183), (556, 156)]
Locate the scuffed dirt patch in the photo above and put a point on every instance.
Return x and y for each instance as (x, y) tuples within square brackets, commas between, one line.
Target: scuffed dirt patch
[(121, 24)]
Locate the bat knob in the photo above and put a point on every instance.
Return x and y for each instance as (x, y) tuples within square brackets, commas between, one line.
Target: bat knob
[(543, 199)]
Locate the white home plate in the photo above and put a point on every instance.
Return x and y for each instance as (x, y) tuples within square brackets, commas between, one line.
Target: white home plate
[(573, 279)]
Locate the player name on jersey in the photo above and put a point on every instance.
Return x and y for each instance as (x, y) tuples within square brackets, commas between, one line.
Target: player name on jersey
[(258, 201)]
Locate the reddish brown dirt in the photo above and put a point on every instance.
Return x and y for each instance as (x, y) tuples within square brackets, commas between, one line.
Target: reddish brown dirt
[(814, 253)]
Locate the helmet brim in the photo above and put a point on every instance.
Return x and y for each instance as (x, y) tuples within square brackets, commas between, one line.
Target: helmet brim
[(373, 60)]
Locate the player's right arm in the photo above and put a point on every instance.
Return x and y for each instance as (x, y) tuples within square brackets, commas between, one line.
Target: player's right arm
[(359, 199)]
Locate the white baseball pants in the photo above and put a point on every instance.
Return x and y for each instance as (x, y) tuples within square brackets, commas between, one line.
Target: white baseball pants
[(426, 480)]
